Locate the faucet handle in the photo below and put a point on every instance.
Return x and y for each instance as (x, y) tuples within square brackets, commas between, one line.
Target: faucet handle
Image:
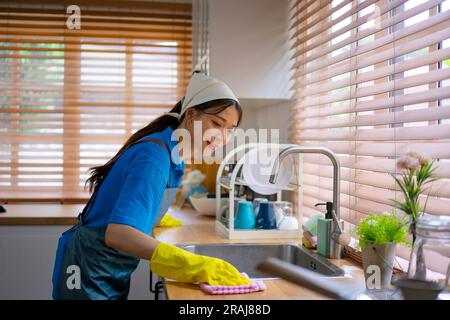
[(338, 223)]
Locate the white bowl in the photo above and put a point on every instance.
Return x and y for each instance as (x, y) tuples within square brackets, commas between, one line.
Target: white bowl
[(204, 205)]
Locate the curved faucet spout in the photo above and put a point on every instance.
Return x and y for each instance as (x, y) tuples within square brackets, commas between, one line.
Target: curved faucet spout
[(314, 150), (336, 179)]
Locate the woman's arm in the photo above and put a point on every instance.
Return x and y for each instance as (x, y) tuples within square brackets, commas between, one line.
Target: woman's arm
[(169, 261), (130, 240)]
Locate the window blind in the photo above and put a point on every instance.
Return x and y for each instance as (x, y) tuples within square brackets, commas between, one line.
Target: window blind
[(69, 98), (371, 82)]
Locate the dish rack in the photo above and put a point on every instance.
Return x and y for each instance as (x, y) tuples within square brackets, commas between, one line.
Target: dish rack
[(230, 182)]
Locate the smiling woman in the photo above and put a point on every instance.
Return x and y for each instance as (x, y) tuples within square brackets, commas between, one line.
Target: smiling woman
[(202, 105), (132, 192)]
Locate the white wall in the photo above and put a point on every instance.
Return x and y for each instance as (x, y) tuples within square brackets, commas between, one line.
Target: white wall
[(248, 42), (276, 116), (26, 264)]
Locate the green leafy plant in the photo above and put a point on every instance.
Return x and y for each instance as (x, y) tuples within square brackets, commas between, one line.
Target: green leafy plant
[(416, 177), (381, 229)]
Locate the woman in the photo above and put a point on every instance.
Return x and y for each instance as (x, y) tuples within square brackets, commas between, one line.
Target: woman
[(132, 191)]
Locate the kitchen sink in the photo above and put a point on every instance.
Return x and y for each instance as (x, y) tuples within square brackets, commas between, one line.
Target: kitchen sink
[(246, 256)]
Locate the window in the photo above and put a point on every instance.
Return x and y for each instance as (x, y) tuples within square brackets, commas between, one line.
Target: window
[(371, 82), (70, 98)]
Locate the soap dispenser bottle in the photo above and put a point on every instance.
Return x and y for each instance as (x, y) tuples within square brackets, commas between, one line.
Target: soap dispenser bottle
[(324, 230)]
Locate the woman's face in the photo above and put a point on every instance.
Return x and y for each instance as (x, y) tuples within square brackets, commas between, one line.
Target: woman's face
[(216, 129)]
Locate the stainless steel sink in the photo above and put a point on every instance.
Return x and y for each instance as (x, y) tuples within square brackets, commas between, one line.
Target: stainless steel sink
[(246, 256)]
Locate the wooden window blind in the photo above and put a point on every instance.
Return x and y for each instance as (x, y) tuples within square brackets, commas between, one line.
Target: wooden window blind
[(371, 82), (69, 98)]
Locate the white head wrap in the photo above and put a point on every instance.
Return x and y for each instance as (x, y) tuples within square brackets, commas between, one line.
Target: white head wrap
[(201, 89)]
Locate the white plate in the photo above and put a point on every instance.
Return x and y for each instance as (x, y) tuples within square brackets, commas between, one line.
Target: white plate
[(257, 167)]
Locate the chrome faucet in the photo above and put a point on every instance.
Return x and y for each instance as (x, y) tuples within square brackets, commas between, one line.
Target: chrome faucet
[(336, 229)]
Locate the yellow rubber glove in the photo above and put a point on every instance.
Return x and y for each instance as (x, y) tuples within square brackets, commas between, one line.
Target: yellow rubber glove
[(171, 262), (169, 221)]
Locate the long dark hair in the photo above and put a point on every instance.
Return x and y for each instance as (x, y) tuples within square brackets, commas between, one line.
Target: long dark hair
[(159, 124)]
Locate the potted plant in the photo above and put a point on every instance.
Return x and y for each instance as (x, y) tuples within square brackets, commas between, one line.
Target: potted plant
[(417, 174), (378, 236)]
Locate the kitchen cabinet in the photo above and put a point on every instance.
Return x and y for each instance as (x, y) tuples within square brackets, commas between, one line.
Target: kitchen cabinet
[(28, 239)]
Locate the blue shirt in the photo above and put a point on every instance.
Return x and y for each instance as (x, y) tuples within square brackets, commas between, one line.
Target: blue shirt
[(133, 189)]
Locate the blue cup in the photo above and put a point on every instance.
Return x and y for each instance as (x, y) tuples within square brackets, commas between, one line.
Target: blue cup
[(245, 218), (266, 216)]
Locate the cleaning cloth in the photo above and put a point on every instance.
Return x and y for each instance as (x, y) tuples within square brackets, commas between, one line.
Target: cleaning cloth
[(255, 286)]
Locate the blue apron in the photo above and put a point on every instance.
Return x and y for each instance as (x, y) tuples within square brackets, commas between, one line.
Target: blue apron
[(103, 272)]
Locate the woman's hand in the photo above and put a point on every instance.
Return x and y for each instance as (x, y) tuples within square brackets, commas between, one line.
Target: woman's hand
[(171, 262)]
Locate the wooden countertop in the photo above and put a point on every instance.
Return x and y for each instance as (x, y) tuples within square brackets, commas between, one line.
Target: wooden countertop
[(196, 228), (200, 229), (40, 214)]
